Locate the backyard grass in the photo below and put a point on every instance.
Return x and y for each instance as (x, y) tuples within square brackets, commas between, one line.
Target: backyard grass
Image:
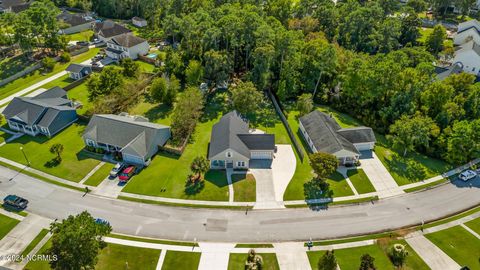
[(76, 163), (112, 257), (6, 225), (181, 260), (34, 242), (459, 244), (360, 181), (412, 168), (60, 82), (474, 225), (237, 261), (82, 36), (166, 176), (80, 93), (146, 67), (349, 258), (37, 76), (244, 187), (99, 175), (12, 65)]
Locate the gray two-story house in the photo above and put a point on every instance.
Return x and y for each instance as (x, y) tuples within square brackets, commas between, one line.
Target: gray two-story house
[(233, 146), (46, 114)]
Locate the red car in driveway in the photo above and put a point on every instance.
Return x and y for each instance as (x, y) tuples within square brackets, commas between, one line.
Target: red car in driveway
[(127, 174)]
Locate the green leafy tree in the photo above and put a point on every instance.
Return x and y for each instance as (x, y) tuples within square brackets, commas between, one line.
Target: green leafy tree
[(246, 98), (254, 261), (57, 149), (48, 64), (463, 144), (328, 261), (305, 104), (174, 63), (434, 41), (417, 5), (199, 166), (186, 113), (398, 254), (65, 57), (130, 67), (217, 66), (367, 262), (412, 131), (194, 73), (323, 164), (158, 88), (76, 242), (103, 83)]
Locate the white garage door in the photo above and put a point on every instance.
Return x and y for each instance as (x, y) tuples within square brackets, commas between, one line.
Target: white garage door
[(133, 159), (261, 155)]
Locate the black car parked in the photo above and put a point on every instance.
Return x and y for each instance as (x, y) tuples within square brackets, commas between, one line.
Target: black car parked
[(14, 201)]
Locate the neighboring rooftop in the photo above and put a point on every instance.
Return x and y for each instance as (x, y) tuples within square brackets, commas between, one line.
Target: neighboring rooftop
[(76, 68), (443, 73), (74, 19), (109, 29), (41, 109), (232, 132), (471, 45), (15, 5), (327, 135), (464, 26), (138, 19), (127, 40), (132, 133)]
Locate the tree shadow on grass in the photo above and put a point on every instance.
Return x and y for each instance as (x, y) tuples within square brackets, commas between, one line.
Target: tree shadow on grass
[(217, 177), (215, 105), (160, 111), (194, 187), (54, 162), (406, 168)]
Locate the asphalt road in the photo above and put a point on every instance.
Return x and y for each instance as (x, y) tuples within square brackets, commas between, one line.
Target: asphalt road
[(219, 225)]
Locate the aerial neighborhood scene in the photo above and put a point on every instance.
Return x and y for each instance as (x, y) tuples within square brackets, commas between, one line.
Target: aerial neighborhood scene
[(240, 135)]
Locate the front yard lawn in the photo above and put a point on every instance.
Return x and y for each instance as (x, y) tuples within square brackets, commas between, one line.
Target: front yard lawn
[(474, 225), (37, 76), (350, 258), (167, 174), (360, 181), (338, 185), (112, 257), (76, 162), (117, 256), (237, 261), (459, 244), (412, 168), (181, 260), (6, 225), (99, 175), (244, 187)]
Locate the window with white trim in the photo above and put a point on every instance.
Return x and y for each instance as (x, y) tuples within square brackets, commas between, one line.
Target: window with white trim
[(90, 142), (241, 163)]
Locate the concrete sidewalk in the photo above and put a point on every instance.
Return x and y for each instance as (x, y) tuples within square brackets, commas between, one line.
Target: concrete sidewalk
[(434, 257), (108, 188), (21, 236)]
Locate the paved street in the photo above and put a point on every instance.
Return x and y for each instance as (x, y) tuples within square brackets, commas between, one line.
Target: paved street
[(223, 225)]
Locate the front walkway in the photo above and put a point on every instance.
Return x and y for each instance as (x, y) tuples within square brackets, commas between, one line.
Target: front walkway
[(231, 192), (433, 256), (20, 237), (379, 176)]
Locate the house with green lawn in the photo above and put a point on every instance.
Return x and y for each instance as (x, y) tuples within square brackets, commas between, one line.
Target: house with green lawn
[(323, 134), (133, 138), (47, 113), (234, 145)]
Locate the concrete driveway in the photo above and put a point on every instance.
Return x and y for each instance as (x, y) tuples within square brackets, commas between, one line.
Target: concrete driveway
[(272, 177), (108, 188), (379, 176)]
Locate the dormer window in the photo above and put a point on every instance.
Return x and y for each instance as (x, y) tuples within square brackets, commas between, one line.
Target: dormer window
[(229, 154)]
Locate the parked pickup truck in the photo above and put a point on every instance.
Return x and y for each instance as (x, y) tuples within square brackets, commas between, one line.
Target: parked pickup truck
[(15, 202)]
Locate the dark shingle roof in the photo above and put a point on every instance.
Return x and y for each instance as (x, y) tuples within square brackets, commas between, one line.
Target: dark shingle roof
[(109, 29), (327, 136), (15, 5), (232, 132), (127, 40), (76, 68), (73, 19), (443, 73), (471, 45), (39, 109), (135, 135)]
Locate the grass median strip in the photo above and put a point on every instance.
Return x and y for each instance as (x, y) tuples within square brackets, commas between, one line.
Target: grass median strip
[(427, 186), (254, 246), (153, 241), (34, 242)]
